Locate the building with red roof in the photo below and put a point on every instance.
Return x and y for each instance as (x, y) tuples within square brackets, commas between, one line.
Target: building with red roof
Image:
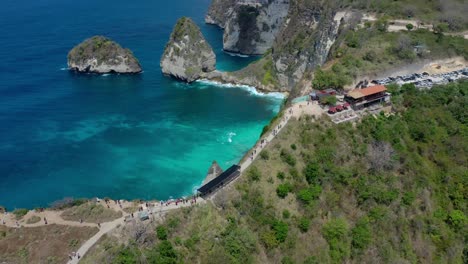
[(361, 98)]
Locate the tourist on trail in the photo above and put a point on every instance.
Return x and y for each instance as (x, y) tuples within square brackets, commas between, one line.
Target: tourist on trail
[(81, 221), (99, 225), (78, 255), (132, 215)]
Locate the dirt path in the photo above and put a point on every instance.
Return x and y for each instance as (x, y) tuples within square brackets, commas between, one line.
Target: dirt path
[(296, 110), (109, 226)]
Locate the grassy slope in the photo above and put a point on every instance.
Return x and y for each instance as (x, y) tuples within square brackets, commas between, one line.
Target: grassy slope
[(45, 244), (90, 212), (452, 12), (388, 190)]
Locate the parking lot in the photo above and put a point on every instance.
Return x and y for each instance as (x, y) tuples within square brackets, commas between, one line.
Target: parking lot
[(424, 80)]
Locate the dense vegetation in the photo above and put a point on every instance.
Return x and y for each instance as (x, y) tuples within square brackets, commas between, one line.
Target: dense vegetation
[(391, 189), (103, 49), (373, 50)]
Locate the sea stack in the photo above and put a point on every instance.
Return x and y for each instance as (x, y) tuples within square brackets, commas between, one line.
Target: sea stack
[(187, 54), (99, 54), (213, 172)]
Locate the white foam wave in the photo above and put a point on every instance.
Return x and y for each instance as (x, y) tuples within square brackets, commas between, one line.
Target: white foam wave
[(233, 54), (64, 69), (105, 74), (250, 89), (230, 135)]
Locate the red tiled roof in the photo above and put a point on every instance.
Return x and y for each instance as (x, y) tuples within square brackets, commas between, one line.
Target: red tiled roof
[(358, 93)]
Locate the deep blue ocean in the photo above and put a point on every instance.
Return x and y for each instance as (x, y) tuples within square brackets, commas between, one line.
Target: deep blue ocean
[(143, 136)]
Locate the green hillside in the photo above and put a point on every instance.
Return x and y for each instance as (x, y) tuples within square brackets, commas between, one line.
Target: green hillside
[(391, 189)]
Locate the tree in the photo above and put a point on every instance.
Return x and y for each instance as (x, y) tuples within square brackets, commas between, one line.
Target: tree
[(304, 224), (381, 24), (409, 27), (311, 172), (380, 156), (457, 219)]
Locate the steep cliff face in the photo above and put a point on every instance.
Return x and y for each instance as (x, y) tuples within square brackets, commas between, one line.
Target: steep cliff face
[(305, 43), (250, 26), (300, 34), (102, 55), (187, 54)]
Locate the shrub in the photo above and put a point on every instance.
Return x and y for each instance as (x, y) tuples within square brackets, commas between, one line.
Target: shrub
[(20, 212), (304, 224), (283, 190), (408, 198), (328, 100), (162, 253), (293, 146), (361, 234), (254, 174), (457, 219), (370, 56), (286, 214), (280, 175), (287, 158), (265, 155), (161, 233), (336, 233), (281, 230), (126, 255), (311, 172), (269, 239), (308, 195)]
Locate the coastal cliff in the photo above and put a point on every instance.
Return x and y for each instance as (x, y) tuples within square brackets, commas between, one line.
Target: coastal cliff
[(99, 54), (250, 26), (294, 36), (187, 54)]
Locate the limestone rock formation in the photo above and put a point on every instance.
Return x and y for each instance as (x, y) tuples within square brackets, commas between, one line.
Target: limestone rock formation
[(99, 54), (187, 54), (214, 171), (250, 26)]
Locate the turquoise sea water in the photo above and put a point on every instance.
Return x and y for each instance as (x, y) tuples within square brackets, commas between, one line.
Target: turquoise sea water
[(143, 136)]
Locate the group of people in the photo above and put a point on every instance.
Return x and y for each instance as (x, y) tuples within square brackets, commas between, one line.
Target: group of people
[(73, 255)]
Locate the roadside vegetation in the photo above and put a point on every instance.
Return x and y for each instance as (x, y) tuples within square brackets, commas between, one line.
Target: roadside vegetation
[(372, 50), (391, 189)]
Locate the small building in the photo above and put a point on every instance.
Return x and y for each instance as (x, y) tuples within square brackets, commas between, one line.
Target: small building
[(143, 215), (362, 98), (219, 181)]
